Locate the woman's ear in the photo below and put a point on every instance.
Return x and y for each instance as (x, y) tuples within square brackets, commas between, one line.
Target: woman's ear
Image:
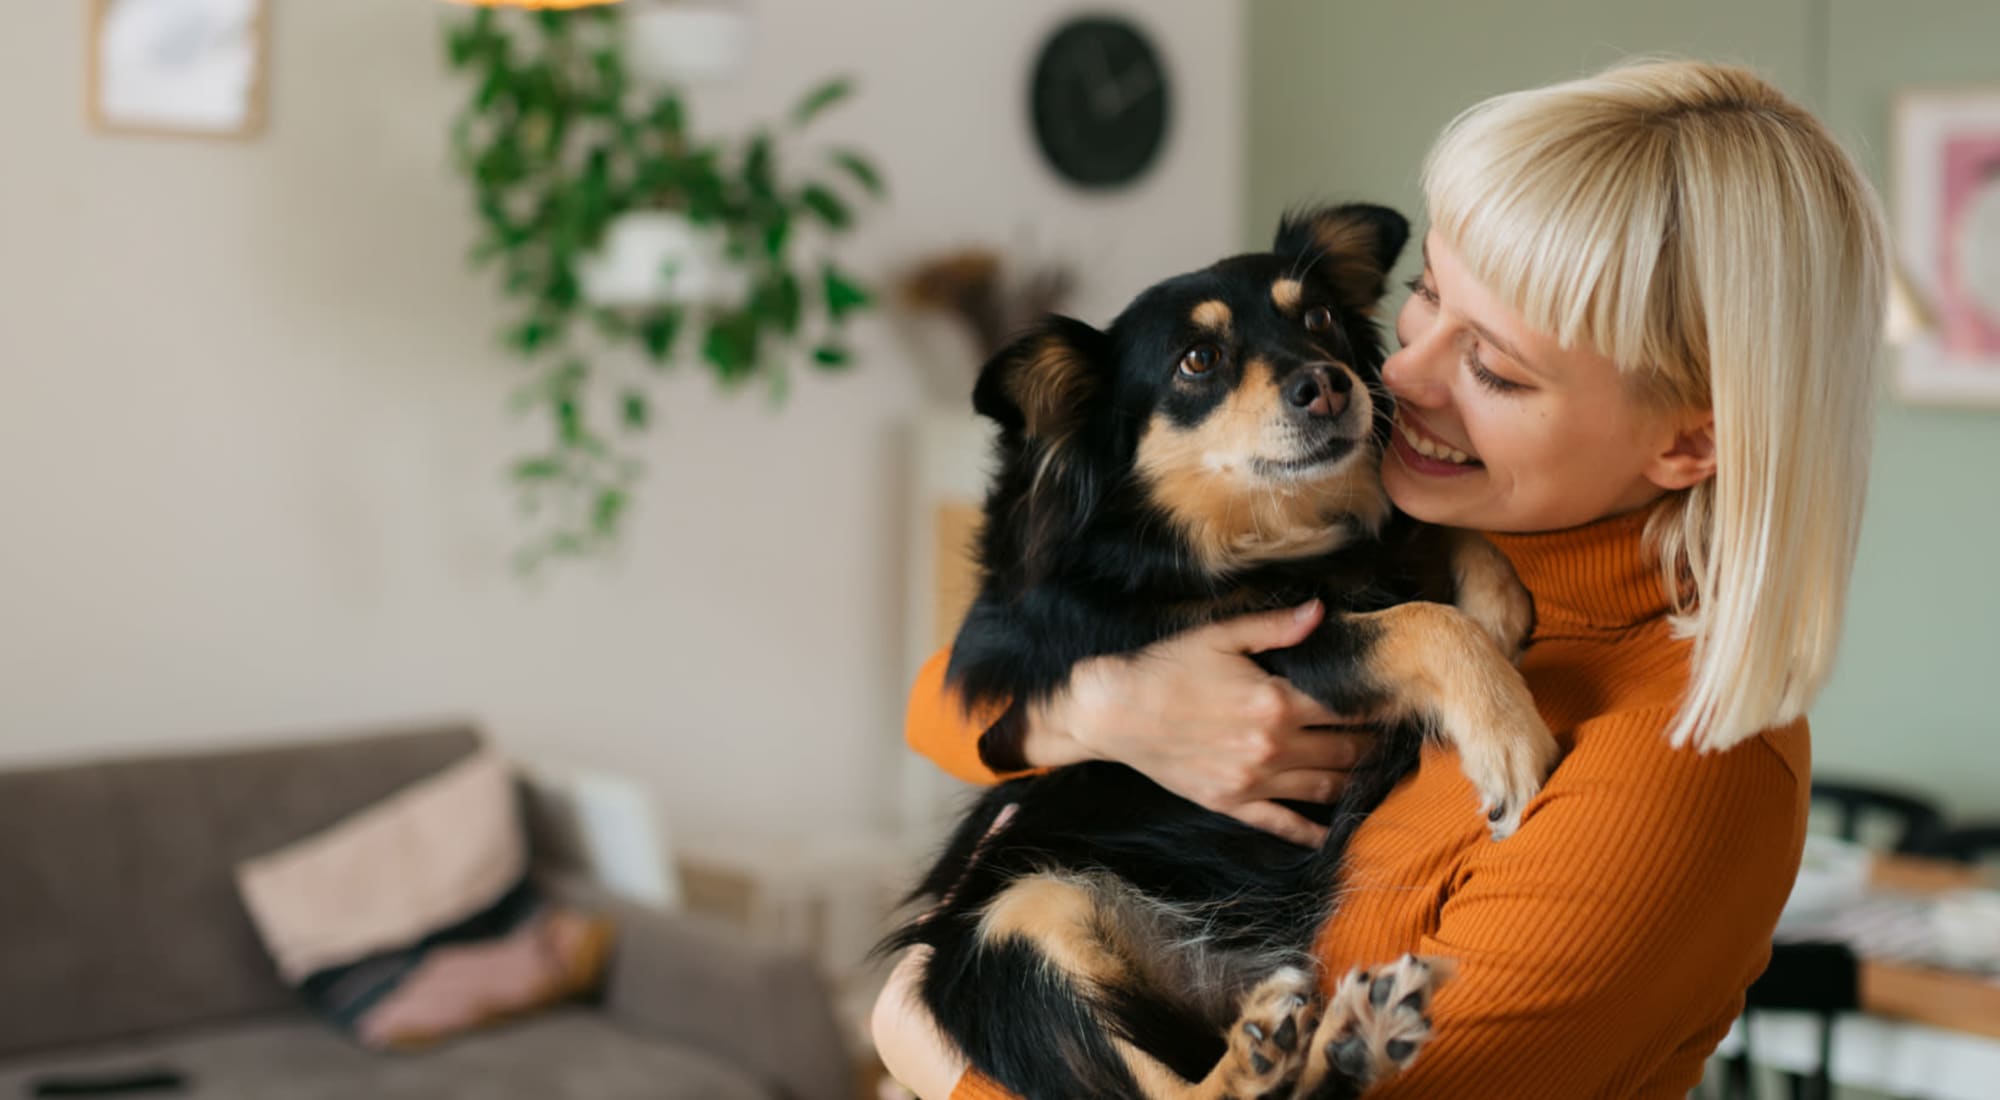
[(1687, 457)]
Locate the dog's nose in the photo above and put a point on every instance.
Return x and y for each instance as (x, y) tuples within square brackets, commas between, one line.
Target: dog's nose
[(1319, 391)]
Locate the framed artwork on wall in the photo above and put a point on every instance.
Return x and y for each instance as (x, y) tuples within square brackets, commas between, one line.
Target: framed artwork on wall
[(183, 67), (1947, 227)]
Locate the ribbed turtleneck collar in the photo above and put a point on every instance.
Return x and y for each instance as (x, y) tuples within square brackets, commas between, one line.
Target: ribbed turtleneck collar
[(1600, 576)]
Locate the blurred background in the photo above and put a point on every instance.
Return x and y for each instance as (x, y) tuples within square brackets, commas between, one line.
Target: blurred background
[(663, 496)]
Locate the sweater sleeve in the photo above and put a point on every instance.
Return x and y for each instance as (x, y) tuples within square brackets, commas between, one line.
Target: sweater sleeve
[(1635, 904), (939, 727)]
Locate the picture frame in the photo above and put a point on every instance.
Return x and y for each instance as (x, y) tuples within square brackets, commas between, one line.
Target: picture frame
[(1946, 215), (184, 68)]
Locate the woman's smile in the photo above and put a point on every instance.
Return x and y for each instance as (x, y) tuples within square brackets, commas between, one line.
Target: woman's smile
[(1425, 452)]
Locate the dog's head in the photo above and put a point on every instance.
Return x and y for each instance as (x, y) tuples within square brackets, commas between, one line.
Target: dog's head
[(1228, 417)]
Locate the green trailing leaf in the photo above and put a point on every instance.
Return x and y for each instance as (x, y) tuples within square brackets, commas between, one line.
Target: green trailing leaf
[(861, 170), (490, 89), (820, 98), (658, 332), (607, 511), (759, 173), (832, 356), (779, 302), (843, 295), (635, 410), (530, 335), (460, 44), (827, 205), (731, 345), (543, 468), (569, 422), (777, 233), (667, 117)]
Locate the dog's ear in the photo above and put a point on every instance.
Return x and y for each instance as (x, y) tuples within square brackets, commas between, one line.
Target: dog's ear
[(1043, 383), (1041, 390), (1353, 246)]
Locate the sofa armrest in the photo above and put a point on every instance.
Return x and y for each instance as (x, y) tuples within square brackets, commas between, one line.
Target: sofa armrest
[(696, 981)]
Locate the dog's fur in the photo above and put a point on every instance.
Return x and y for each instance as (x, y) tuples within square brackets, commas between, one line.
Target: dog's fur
[(1213, 453)]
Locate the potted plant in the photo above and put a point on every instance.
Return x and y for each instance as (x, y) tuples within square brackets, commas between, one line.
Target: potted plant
[(614, 229)]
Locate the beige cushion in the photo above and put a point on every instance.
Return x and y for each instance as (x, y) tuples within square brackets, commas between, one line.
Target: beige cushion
[(426, 857)]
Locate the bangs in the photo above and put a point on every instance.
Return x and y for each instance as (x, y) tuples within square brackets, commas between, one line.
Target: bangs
[(1563, 207)]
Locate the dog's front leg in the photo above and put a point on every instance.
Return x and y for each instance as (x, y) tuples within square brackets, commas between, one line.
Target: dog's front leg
[(1433, 665)]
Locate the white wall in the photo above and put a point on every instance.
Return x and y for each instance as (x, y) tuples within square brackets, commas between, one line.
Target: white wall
[(252, 426)]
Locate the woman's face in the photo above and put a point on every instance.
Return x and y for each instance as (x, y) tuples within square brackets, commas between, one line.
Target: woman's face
[(1498, 428)]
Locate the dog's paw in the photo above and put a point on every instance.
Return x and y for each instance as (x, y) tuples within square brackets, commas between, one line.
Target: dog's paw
[(1508, 758), (1267, 1043), (1375, 1025)]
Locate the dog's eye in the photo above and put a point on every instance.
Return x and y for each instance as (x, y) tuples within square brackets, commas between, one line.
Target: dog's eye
[(1200, 359), (1319, 319)]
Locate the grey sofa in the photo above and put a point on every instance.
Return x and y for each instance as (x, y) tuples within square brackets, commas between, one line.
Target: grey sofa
[(123, 946)]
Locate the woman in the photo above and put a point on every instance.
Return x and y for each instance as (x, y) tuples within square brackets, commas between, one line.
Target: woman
[(1640, 357)]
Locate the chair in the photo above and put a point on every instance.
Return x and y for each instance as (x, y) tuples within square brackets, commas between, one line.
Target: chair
[(1823, 978), (1972, 843), (1915, 820)]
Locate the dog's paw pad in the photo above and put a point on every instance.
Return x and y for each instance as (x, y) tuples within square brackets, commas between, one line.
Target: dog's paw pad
[(1377, 1021), (1266, 1048)]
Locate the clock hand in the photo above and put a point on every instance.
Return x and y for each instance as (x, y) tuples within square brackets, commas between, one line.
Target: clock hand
[(1131, 90), (1104, 90)]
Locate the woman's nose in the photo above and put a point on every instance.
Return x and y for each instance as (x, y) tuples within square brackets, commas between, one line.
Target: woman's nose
[(1418, 371)]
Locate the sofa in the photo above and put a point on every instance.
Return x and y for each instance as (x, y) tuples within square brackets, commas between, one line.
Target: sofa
[(124, 947)]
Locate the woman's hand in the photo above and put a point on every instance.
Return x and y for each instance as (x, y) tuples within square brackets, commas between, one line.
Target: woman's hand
[(1194, 714), (907, 1039)]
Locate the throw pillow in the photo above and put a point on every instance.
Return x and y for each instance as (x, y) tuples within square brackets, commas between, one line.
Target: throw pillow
[(413, 920)]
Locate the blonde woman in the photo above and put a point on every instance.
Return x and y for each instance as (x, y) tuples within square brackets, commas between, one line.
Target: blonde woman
[(1640, 357)]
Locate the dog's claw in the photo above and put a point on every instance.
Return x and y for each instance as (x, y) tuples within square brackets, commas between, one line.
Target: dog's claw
[(1287, 1037)]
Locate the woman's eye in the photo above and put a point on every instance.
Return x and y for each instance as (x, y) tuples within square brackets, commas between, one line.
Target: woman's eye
[(1485, 377), (1319, 319), (1420, 289), (1200, 359)]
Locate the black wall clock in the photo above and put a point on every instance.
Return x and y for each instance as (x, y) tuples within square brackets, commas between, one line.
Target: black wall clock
[(1100, 102)]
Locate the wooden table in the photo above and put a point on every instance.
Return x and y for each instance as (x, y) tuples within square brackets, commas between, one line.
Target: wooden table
[(1940, 998), (1922, 1032)]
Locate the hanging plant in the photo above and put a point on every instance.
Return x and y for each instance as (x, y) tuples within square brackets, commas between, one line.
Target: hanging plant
[(625, 245)]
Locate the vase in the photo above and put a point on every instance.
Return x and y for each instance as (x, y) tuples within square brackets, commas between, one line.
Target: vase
[(657, 257)]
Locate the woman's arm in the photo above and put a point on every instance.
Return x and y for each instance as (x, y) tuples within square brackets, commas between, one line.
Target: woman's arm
[(1193, 713), (1628, 915)]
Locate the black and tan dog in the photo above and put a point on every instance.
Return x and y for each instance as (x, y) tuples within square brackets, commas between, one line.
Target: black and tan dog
[(1214, 452)]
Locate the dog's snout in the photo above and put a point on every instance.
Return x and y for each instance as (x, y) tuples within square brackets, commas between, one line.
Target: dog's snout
[(1319, 391)]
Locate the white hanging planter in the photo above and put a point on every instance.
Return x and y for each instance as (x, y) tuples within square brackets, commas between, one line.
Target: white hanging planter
[(687, 41), (658, 257)]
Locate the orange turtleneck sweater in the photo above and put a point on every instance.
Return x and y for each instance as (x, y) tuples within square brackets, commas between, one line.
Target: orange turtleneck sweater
[(1604, 949)]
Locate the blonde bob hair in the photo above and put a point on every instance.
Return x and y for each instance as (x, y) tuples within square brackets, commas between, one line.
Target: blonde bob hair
[(1692, 224)]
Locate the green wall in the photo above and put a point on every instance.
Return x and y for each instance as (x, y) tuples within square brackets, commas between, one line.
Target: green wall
[(1346, 97)]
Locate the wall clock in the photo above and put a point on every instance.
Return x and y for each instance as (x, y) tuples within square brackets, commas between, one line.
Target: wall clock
[(1100, 102)]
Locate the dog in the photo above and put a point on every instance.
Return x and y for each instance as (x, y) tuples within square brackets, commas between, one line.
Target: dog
[(1213, 452)]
